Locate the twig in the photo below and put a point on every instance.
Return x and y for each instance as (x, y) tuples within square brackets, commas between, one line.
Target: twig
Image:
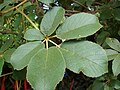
[(6, 11), (6, 74), (8, 32), (27, 18), (79, 3)]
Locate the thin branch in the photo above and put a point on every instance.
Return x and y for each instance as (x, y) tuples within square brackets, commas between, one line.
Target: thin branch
[(46, 43), (54, 43), (8, 32), (6, 74), (72, 11), (27, 18), (6, 11), (79, 3)]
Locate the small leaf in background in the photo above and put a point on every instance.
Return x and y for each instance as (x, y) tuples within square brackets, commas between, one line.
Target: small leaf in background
[(116, 14), (23, 54), (117, 84), (79, 26), (6, 45), (85, 56), (51, 20), (113, 43), (111, 54), (19, 75), (119, 32), (33, 34), (46, 1), (46, 69), (7, 54), (5, 3), (116, 65), (97, 85), (102, 37), (1, 64)]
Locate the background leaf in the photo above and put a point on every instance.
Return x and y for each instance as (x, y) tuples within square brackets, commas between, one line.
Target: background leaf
[(6, 45), (113, 43), (21, 57), (33, 34), (85, 56), (82, 25), (51, 20), (111, 54), (116, 65), (46, 1), (48, 67)]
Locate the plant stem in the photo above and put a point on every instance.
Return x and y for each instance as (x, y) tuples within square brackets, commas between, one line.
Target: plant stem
[(27, 18), (79, 3), (6, 74), (54, 43), (6, 11), (47, 43)]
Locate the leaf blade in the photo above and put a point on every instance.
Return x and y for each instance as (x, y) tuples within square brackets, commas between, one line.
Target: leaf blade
[(81, 24), (85, 56), (51, 20), (33, 34), (21, 57), (116, 65), (48, 66)]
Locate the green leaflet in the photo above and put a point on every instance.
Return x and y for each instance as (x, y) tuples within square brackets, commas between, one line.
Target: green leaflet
[(33, 34), (111, 54), (113, 43), (51, 20), (7, 54), (85, 56), (116, 65), (79, 26), (46, 69), (21, 57)]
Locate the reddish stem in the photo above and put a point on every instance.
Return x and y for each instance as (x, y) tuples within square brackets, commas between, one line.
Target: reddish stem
[(25, 85), (3, 83), (71, 85), (16, 85)]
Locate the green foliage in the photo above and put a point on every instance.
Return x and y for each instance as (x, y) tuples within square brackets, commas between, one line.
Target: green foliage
[(82, 25), (45, 41)]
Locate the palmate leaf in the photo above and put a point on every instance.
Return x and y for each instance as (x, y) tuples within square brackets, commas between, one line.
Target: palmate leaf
[(46, 69), (85, 56), (21, 57), (79, 26), (51, 20), (33, 34), (116, 65)]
